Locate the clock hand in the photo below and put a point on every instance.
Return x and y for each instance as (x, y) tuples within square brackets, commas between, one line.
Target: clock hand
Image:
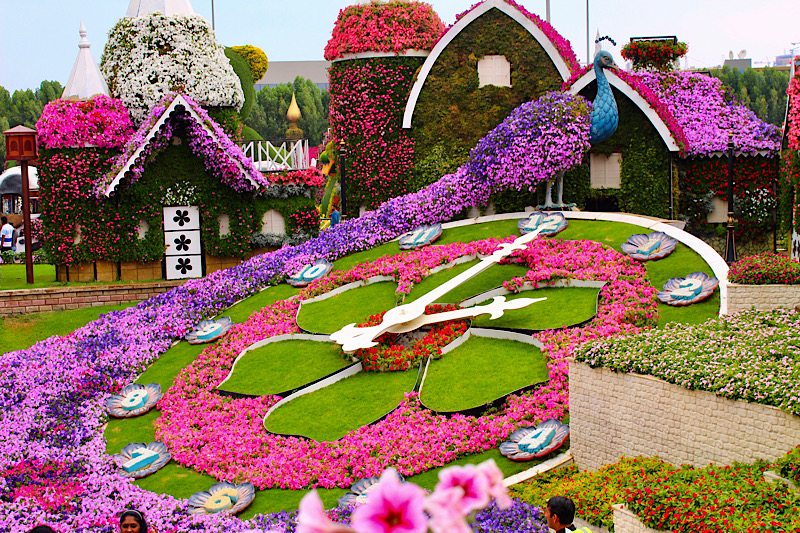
[(495, 308), (408, 312)]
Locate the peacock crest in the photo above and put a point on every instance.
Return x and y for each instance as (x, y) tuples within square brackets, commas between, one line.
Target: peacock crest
[(605, 117)]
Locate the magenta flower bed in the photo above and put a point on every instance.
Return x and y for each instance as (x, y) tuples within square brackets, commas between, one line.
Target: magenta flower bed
[(102, 122)]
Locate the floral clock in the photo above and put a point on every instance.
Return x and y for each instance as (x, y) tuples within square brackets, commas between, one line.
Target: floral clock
[(548, 224), (695, 287), (222, 497), (643, 247), (529, 443), (422, 236), (360, 489), (209, 330), (309, 273), (134, 400), (137, 460)]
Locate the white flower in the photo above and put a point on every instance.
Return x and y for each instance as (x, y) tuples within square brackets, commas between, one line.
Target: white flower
[(147, 57)]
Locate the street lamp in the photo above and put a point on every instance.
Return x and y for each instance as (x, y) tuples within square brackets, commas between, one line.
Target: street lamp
[(730, 244), (21, 146)]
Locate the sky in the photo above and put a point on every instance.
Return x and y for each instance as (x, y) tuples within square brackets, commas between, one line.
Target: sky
[(39, 38)]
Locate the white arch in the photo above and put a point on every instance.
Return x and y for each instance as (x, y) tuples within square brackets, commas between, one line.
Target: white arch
[(635, 97), (458, 27)]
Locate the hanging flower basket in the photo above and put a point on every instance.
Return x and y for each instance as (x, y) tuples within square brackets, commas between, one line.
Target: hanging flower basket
[(654, 55)]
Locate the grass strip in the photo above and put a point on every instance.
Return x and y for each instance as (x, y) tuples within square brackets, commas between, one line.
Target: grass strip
[(565, 306), (332, 314), (23, 331), (329, 413), (480, 371), (283, 366), (489, 279)]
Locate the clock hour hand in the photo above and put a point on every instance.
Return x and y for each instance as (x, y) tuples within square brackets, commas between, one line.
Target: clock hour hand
[(495, 308), (411, 311)]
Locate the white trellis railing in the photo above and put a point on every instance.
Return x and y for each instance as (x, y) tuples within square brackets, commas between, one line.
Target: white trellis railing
[(288, 155)]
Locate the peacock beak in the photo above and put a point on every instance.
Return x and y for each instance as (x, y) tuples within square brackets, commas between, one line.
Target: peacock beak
[(613, 65)]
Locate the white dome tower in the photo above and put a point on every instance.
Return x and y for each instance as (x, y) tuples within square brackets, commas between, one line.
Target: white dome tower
[(140, 8), (85, 81)]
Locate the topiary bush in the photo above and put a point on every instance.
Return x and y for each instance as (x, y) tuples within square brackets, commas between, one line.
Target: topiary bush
[(242, 69), (256, 60)]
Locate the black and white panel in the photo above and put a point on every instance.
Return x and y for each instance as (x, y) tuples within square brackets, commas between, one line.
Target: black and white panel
[(182, 237), (795, 252)]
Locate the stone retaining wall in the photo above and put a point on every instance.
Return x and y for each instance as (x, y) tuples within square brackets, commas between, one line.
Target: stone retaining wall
[(614, 415), (60, 298), (741, 297), (627, 522)]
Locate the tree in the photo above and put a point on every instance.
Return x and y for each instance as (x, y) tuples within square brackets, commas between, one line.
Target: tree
[(268, 117), (25, 107), (762, 90)]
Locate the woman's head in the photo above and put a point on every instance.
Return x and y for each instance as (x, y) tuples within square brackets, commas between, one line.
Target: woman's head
[(41, 529), (132, 521)]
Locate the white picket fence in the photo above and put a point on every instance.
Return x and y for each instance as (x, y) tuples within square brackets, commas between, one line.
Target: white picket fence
[(290, 154)]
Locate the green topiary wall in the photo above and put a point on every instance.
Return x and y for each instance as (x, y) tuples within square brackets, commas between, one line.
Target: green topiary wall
[(452, 113)]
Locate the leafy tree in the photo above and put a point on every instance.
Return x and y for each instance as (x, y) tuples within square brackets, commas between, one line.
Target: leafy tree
[(268, 117), (25, 107), (762, 90)]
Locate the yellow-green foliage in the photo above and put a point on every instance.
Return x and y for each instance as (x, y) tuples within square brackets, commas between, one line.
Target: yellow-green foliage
[(256, 58)]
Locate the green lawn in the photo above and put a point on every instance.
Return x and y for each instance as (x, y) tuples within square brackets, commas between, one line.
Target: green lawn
[(283, 366), (328, 414), (480, 371), (13, 277), (565, 306), (331, 314), (489, 279), (23, 331)]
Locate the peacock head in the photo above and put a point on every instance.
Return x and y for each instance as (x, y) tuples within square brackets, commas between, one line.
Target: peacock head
[(603, 59)]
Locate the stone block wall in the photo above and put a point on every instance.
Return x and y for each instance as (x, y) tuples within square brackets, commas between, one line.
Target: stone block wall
[(26, 301), (614, 415), (741, 297), (627, 522)]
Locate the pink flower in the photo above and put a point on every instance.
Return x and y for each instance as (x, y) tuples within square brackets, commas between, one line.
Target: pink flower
[(446, 513), (312, 517), (471, 481), (494, 477), (392, 507)]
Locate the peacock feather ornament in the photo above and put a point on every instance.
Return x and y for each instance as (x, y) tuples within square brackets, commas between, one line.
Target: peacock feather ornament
[(605, 116), (604, 121)]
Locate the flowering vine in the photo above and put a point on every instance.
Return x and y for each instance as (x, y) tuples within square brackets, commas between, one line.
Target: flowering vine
[(102, 122)]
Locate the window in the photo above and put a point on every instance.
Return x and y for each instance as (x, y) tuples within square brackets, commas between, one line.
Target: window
[(142, 229), (272, 222), (224, 225), (605, 170), (494, 70)]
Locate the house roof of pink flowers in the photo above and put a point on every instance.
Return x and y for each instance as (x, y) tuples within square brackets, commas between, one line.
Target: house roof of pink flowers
[(236, 169), (695, 110), (555, 46), (792, 122)]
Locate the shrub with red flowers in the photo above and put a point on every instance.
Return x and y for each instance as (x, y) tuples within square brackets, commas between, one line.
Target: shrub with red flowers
[(763, 269), (311, 177), (793, 122), (391, 27), (788, 466), (102, 122), (390, 356), (655, 54)]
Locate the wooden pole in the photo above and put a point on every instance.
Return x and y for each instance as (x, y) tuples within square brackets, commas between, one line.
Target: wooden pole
[(26, 218)]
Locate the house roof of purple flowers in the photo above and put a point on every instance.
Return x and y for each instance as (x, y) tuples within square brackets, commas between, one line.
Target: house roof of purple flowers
[(222, 157), (691, 112)]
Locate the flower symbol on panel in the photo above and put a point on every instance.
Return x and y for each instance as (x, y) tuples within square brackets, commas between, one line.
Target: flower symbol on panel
[(550, 223), (529, 443), (134, 400), (181, 217), (209, 330), (360, 489), (309, 273), (183, 265), (643, 247), (420, 237), (182, 243), (137, 460), (695, 287), (222, 497)]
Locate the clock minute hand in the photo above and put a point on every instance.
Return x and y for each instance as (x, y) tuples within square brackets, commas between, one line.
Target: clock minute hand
[(352, 338)]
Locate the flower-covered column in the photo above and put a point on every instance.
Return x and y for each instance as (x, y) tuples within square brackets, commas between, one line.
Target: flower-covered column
[(376, 49)]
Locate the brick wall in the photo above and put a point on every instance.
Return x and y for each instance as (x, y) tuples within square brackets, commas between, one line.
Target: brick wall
[(741, 297), (614, 415), (627, 522), (60, 298)]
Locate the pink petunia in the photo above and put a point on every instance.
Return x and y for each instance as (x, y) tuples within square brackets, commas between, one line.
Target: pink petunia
[(312, 517), (471, 481), (446, 513), (392, 507), (494, 477)]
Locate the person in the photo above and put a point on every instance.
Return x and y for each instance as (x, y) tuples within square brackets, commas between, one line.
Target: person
[(132, 521), (42, 529), (560, 513), (6, 235)]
